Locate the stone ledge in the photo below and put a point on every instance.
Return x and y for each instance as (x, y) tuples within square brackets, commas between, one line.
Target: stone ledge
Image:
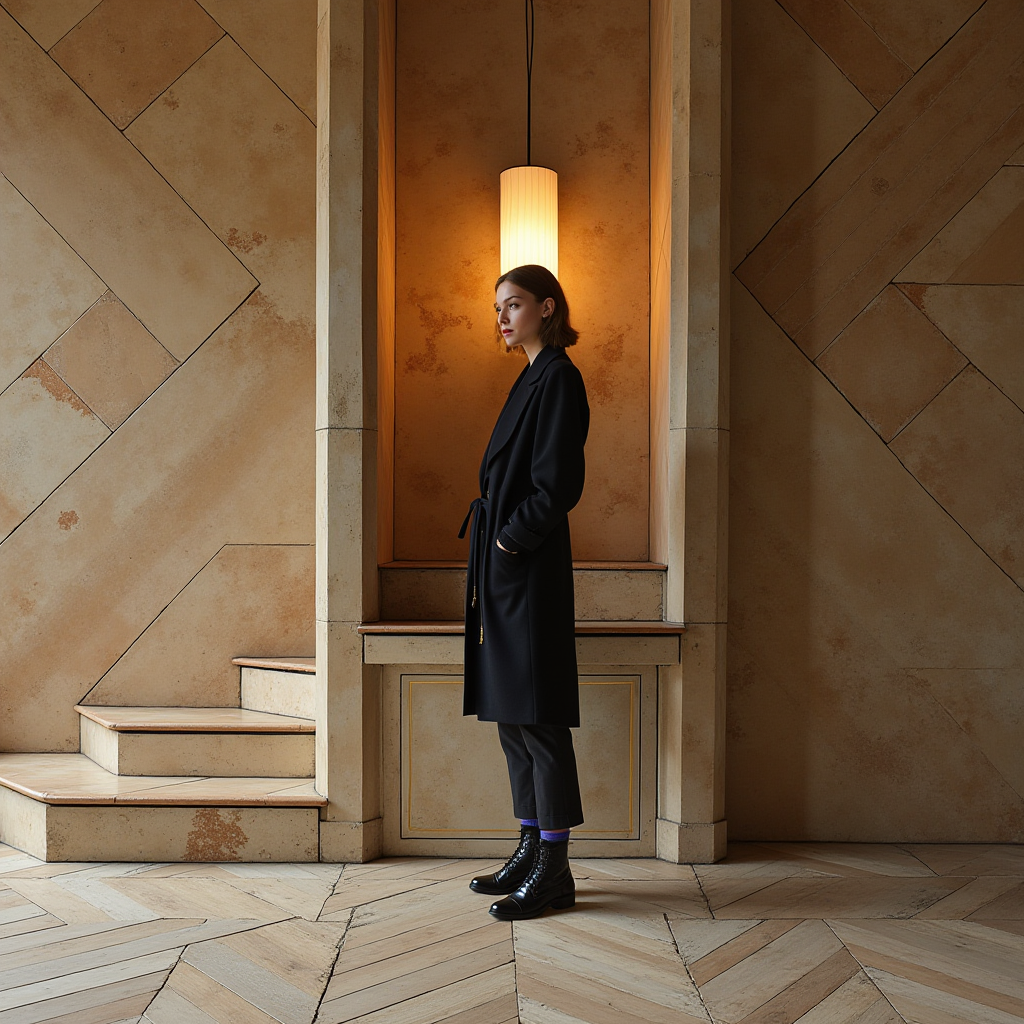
[(589, 627), (278, 664)]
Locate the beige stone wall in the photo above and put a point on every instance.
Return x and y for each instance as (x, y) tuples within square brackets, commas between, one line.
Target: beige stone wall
[(156, 351), (461, 119), (876, 619)]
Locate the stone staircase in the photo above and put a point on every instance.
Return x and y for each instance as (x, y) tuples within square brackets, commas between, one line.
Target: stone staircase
[(177, 784)]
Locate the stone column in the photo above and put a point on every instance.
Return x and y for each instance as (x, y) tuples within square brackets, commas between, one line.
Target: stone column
[(691, 732), (348, 692)]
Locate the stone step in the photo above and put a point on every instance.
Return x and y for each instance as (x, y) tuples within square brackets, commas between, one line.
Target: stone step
[(279, 686), (65, 807), (226, 742)]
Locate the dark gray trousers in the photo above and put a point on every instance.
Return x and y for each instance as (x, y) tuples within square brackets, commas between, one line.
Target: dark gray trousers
[(542, 771)]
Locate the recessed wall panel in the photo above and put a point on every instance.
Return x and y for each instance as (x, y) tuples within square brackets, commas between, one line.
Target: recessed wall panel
[(454, 783), (460, 120)]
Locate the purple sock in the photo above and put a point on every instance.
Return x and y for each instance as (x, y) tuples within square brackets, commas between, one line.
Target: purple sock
[(529, 822), (556, 835)]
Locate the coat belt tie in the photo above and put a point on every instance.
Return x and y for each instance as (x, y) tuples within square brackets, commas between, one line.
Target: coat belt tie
[(478, 513)]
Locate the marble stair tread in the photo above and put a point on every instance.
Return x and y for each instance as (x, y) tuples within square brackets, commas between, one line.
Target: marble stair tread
[(75, 779), (281, 664), (160, 719)]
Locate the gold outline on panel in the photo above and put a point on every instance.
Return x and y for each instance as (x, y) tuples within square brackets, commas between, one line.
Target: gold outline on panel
[(410, 831)]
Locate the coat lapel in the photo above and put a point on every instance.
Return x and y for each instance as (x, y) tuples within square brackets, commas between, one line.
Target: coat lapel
[(516, 405)]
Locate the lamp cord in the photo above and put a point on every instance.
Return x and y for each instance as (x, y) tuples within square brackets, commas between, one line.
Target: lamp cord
[(529, 77)]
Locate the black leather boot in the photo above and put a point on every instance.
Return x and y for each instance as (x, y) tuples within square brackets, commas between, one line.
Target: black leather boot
[(549, 884), (508, 878)]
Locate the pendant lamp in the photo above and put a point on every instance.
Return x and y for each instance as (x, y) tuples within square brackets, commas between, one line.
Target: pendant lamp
[(529, 195)]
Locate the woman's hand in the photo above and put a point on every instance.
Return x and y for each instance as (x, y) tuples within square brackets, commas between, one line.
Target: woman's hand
[(503, 548)]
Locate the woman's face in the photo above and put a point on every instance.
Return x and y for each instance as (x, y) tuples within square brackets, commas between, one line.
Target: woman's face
[(520, 315)]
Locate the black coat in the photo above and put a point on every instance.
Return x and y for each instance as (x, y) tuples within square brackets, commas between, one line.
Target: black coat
[(520, 660)]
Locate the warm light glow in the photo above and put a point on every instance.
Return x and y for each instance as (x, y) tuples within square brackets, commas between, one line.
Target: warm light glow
[(529, 218)]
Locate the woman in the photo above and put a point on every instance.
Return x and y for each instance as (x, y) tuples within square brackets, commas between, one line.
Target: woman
[(520, 659)]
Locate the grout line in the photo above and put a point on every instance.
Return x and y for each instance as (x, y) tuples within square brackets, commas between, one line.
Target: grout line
[(755, 892), (163, 984), (515, 968), (910, 853), (66, 34), (330, 972), (973, 742), (847, 75), (147, 626), (686, 968), (953, 519), (703, 895), (863, 971), (970, 362), (263, 72), (952, 379), (177, 78)]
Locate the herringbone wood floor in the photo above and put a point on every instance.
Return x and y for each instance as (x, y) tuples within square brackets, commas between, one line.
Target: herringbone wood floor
[(780, 933)]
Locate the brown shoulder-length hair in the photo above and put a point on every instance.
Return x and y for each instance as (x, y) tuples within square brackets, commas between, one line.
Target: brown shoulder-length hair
[(556, 330)]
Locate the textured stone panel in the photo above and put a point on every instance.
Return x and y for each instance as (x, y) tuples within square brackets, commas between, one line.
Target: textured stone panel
[(988, 704), (987, 324), (124, 54), (786, 84), (47, 20), (222, 454), (983, 242), (280, 36), (248, 598), (47, 431), (242, 156), (43, 287), (109, 204), (1000, 258), (844, 574), (890, 362), (110, 360), (950, 447), (915, 29), (205, 834), (907, 173), (458, 126), (851, 44)]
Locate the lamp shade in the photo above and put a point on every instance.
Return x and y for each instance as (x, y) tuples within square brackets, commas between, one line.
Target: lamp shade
[(529, 218)]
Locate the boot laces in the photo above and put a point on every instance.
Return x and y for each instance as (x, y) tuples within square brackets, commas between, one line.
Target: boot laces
[(539, 864)]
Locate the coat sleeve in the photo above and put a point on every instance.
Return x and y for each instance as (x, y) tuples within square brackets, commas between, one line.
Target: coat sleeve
[(557, 467)]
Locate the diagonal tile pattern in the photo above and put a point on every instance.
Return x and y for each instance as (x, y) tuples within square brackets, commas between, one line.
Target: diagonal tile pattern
[(138, 235), (48, 431), (189, 367), (124, 54), (48, 21), (927, 152), (876, 452), (45, 286), (853, 45), (110, 360), (278, 35), (402, 941)]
